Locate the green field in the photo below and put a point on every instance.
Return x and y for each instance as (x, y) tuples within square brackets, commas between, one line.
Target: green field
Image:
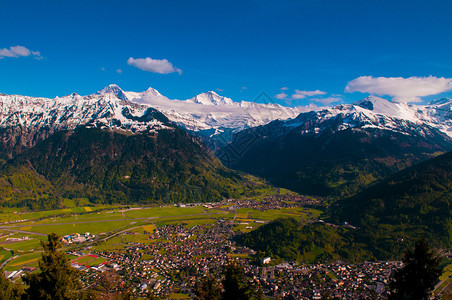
[(110, 245), (70, 228), (29, 260), (25, 259), (14, 214), (84, 259), (446, 272), (178, 296), (134, 221), (154, 212), (272, 214), (96, 262), (24, 246), (4, 255)]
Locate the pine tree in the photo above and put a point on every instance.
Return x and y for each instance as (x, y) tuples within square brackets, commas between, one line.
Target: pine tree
[(208, 289), (8, 290), (234, 283), (417, 278), (57, 280)]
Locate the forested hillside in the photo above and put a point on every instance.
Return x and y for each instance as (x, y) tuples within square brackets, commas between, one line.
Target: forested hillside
[(110, 167)]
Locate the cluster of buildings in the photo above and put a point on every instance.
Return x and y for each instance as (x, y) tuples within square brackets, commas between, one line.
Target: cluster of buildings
[(13, 275), (176, 257), (77, 238), (19, 239), (276, 202), (338, 280)]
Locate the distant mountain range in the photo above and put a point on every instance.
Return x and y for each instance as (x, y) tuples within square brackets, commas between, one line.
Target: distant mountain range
[(205, 111), (25, 120), (103, 148), (339, 150), (124, 147), (327, 151)]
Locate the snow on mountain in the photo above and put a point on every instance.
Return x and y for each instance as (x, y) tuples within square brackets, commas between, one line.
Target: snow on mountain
[(374, 112), (437, 113), (26, 120), (29, 119), (113, 89), (212, 111), (211, 98)]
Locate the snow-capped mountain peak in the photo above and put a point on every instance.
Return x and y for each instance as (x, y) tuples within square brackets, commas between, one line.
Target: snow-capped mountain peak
[(151, 92), (392, 109), (209, 110), (377, 105), (206, 112), (211, 98), (26, 120), (113, 89)]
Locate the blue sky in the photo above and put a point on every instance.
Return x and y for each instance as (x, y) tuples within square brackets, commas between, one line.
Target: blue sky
[(312, 50)]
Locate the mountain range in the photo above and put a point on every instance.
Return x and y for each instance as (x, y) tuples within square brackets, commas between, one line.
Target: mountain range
[(124, 147), (339, 150), (103, 148), (24, 120), (326, 151)]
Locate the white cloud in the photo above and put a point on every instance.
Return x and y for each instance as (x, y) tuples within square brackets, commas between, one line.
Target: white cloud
[(281, 96), (284, 88), (327, 100), (161, 66), (303, 94), (37, 55), (244, 88), (400, 89), (119, 71), (18, 51), (219, 90)]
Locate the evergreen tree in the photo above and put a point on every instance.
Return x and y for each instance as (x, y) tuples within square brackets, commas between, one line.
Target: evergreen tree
[(208, 289), (417, 278), (57, 280), (234, 283), (8, 290)]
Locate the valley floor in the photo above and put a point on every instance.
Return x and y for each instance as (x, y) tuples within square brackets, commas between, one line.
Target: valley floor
[(169, 248)]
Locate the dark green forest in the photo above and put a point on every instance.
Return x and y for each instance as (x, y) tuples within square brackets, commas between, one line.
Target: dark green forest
[(290, 239), (388, 218), (412, 203), (334, 163), (110, 167)]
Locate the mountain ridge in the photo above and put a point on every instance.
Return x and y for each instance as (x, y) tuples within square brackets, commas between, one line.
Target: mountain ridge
[(211, 111), (411, 203), (334, 151), (105, 166)]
